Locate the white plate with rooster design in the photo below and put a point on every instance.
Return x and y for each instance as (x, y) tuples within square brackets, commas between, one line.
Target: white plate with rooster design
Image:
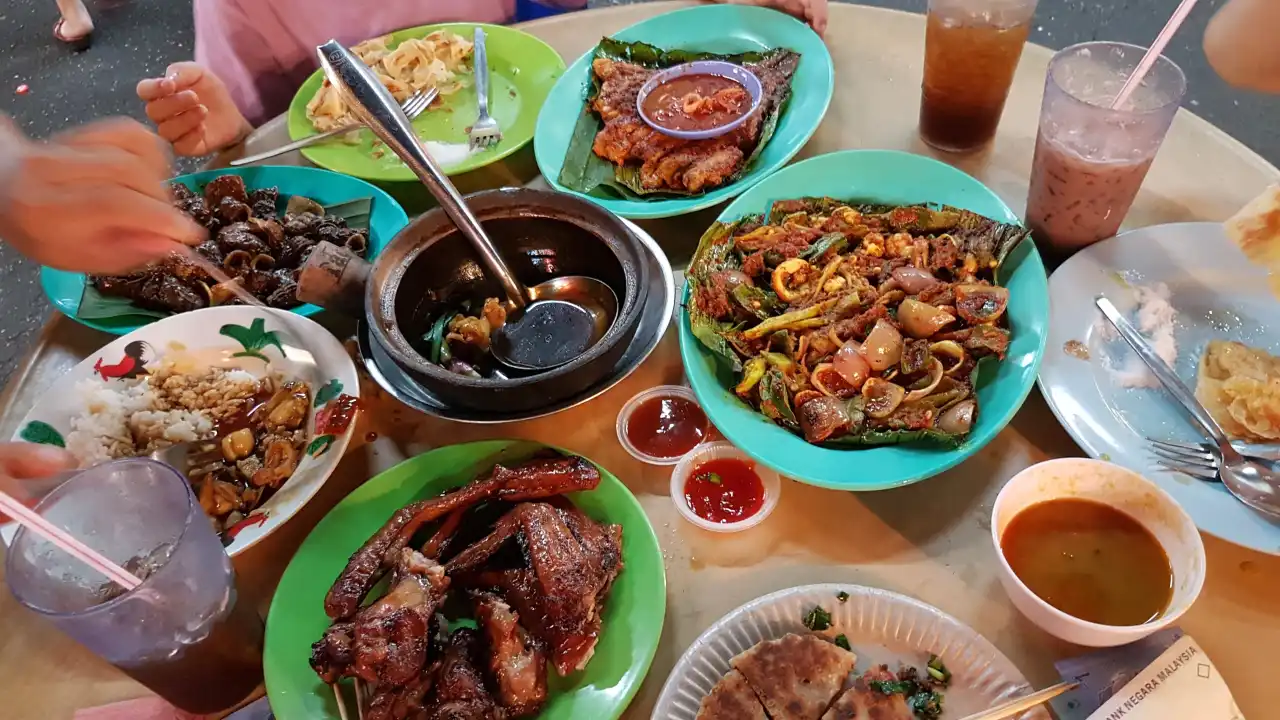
[(881, 627), (258, 341)]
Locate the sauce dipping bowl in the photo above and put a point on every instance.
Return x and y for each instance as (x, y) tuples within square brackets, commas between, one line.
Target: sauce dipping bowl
[(737, 73), (720, 451), (624, 418), (1126, 491)]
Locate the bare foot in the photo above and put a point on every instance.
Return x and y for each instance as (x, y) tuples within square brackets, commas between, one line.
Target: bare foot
[(76, 22)]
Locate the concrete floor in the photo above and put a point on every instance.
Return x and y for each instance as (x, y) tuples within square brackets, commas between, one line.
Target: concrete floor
[(139, 38)]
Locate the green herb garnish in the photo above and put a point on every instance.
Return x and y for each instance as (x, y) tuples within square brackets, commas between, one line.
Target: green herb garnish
[(713, 478), (842, 596), (817, 619), (926, 704), (941, 676), (893, 687), (843, 642)]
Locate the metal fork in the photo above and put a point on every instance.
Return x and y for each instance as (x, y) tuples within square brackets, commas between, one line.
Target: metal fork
[(1254, 483), (485, 132), (1190, 459), (413, 106)]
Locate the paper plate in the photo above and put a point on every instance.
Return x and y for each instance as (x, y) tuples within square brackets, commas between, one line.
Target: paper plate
[(238, 336), (522, 71), (882, 627), (1219, 295), (707, 28)]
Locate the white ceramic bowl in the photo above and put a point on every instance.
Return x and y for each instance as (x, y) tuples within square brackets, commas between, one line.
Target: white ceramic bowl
[(624, 417), (1126, 491), (717, 451)]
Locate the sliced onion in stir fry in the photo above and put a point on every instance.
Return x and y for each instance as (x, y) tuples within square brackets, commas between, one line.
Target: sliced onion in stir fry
[(921, 320), (958, 419), (883, 347), (851, 364), (913, 279), (952, 352)]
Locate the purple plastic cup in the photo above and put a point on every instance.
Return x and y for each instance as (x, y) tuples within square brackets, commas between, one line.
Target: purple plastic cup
[(184, 632), (737, 73)]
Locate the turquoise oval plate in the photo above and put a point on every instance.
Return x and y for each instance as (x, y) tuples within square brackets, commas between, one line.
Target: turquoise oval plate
[(633, 613), (737, 29), (881, 176), (386, 218)]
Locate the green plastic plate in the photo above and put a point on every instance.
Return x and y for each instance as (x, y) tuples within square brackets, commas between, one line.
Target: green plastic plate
[(523, 71), (632, 618)]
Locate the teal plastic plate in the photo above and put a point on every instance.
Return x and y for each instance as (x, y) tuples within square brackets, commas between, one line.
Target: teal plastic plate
[(707, 28), (881, 176), (386, 218)]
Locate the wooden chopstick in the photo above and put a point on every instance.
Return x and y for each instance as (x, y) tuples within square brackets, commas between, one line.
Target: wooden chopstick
[(1024, 703)]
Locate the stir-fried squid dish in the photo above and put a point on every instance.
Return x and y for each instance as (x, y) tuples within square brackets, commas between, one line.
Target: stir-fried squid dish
[(528, 566), (440, 60), (855, 324), (258, 247)]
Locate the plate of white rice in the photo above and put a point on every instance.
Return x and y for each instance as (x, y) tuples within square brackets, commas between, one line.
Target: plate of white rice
[(181, 379)]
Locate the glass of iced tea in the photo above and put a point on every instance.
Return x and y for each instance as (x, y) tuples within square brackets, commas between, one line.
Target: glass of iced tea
[(971, 51), (184, 632), (1091, 160)]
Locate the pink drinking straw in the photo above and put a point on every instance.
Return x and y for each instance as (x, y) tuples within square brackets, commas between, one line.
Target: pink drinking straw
[(1153, 53), (28, 518)]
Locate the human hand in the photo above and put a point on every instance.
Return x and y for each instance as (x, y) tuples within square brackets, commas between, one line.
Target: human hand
[(813, 12), (93, 199), (23, 462), (193, 110)]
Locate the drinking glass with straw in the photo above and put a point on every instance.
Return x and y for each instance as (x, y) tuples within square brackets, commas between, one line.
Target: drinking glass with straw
[(123, 559), (1107, 108)]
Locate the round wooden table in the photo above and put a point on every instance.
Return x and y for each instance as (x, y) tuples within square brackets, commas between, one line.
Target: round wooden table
[(930, 540)]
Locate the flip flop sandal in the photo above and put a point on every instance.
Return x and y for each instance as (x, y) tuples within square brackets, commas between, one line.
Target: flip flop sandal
[(78, 44)]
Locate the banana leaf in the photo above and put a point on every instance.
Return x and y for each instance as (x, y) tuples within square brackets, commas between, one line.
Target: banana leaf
[(95, 305), (588, 173)]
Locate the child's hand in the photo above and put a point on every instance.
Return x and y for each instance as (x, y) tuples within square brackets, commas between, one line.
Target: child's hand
[(93, 199), (813, 12), (193, 110)]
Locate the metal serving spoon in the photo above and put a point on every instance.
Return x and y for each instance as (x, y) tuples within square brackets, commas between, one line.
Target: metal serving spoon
[(1253, 483), (547, 325)]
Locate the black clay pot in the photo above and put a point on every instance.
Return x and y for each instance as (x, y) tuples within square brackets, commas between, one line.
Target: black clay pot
[(430, 267)]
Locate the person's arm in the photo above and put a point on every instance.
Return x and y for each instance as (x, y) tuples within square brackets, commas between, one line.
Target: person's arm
[(228, 41), (93, 199), (1241, 45)]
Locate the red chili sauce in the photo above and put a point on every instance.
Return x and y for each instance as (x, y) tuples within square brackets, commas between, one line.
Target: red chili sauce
[(666, 427), (725, 490), (700, 101)]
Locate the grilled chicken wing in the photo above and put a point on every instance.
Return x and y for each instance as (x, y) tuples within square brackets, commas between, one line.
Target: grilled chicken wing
[(460, 692), (517, 662)]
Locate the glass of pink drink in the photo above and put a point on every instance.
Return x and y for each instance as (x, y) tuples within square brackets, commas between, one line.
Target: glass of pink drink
[(1091, 160)]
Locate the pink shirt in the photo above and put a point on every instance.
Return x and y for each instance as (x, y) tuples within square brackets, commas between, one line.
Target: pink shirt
[(264, 49)]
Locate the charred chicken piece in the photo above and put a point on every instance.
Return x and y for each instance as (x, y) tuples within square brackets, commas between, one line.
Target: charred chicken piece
[(572, 563), (400, 702), (517, 662), (534, 479), (331, 655), (459, 691), (391, 636)]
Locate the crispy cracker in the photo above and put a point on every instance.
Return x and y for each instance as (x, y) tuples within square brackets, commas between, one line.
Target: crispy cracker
[(732, 699), (797, 676)]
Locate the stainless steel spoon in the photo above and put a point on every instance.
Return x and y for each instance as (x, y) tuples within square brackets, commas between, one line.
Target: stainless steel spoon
[(548, 325), (1251, 482)]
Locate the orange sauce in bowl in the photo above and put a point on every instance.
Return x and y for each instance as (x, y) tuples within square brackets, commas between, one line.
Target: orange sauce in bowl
[(1090, 561)]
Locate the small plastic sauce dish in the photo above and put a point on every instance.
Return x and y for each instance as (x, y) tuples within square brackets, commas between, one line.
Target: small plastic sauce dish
[(719, 68), (717, 478), (662, 424)]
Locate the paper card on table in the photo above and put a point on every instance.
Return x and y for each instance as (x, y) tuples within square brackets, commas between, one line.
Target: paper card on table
[(1181, 683), (1102, 673)]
